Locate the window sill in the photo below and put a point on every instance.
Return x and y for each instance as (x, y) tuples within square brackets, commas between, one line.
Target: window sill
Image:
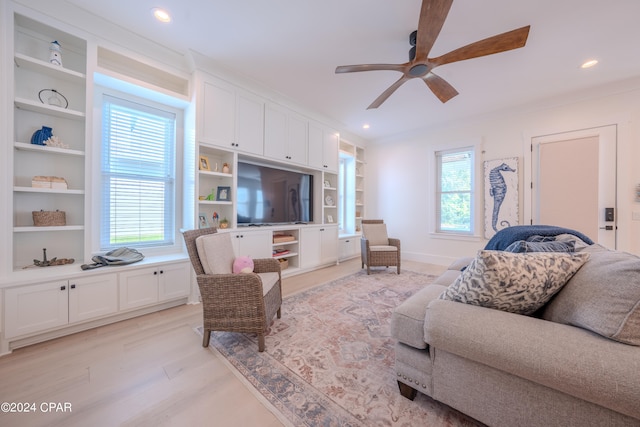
[(454, 236)]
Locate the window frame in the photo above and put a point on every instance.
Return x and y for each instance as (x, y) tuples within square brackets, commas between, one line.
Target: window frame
[(436, 230), (152, 100)]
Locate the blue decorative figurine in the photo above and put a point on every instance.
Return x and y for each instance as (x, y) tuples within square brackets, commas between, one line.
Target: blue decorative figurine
[(41, 135)]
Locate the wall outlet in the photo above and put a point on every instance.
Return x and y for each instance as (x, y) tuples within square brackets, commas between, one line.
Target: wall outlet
[(635, 216)]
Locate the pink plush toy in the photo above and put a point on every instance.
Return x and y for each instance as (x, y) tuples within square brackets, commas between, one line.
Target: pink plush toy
[(243, 264)]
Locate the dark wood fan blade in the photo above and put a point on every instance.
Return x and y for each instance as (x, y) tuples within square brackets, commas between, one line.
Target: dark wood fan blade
[(387, 93), (440, 88), (501, 43), (432, 16), (369, 67)]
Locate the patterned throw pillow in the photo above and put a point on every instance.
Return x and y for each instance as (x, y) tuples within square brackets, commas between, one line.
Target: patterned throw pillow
[(522, 246), (514, 282)]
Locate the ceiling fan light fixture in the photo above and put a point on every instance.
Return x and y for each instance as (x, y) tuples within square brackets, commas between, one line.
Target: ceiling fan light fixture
[(590, 63), (161, 14)]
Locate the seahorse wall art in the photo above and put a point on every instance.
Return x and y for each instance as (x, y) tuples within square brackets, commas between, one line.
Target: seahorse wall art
[(502, 184)]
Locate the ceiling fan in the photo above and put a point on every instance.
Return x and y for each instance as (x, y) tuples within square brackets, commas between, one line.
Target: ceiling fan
[(432, 16)]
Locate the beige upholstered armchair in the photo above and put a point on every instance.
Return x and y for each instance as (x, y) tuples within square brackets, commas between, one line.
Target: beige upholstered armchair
[(377, 249), (244, 302)]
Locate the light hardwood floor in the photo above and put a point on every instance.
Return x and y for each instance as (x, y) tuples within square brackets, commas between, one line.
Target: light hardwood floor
[(147, 371)]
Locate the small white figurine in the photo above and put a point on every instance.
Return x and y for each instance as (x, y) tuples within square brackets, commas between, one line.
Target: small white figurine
[(56, 55)]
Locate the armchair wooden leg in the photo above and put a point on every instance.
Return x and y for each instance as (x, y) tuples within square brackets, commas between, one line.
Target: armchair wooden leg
[(279, 313), (260, 342), (205, 337), (406, 391)]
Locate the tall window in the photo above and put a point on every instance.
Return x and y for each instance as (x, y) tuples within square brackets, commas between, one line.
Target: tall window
[(138, 175), (454, 192), (346, 193)]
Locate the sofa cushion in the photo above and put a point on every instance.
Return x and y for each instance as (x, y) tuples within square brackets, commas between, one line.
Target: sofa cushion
[(376, 234), (447, 278), (603, 297), (407, 321), (383, 248), (460, 263), (215, 253), (517, 283), (523, 246)]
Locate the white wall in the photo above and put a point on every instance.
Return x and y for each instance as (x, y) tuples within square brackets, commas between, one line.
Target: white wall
[(400, 170)]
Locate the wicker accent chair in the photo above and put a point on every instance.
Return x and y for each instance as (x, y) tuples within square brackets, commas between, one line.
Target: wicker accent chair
[(376, 248), (233, 302)]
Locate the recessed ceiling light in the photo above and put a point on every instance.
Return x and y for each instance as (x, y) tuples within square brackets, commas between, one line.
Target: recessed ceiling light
[(365, 126), (161, 14), (589, 63)]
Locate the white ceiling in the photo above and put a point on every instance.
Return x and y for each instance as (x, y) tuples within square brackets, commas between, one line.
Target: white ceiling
[(294, 46)]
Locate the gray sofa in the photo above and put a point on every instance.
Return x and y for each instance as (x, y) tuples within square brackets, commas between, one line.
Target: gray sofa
[(562, 366)]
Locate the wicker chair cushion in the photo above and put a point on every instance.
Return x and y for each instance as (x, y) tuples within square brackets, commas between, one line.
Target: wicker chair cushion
[(383, 248), (216, 253), (268, 280), (376, 234)]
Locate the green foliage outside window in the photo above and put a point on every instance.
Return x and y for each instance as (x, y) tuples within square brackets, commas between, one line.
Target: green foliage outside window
[(455, 182)]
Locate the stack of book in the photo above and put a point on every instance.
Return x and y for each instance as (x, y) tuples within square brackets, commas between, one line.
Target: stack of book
[(49, 182), (280, 252)]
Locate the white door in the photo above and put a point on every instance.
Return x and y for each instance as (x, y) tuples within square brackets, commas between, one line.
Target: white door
[(574, 182)]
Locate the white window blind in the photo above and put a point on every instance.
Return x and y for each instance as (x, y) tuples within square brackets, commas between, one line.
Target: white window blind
[(138, 175), (454, 192)]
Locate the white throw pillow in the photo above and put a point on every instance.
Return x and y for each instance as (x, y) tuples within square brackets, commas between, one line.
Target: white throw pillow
[(514, 282), (216, 253)]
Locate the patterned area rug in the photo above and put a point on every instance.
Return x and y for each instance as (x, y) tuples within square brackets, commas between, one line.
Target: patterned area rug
[(330, 360)]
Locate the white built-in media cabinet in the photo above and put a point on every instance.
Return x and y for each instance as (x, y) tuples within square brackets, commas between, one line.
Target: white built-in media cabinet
[(231, 125)]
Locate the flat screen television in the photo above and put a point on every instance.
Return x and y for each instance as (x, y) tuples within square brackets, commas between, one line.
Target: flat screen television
[(268, 195)]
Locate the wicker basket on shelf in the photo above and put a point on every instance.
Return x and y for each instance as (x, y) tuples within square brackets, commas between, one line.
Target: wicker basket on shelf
[(49, 218)]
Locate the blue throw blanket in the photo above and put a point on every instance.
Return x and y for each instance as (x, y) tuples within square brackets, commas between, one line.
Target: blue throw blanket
[(507, 236)]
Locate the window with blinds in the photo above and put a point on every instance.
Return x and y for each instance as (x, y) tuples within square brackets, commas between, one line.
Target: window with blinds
[(454, 192), (138, 175)]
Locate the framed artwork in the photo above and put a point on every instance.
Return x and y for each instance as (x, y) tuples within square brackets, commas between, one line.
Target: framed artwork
[(224, 194), (202, 221), (500, 195), (203, 165), (330, 219)]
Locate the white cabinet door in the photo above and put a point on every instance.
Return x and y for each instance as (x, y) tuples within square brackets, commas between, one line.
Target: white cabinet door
[(249, 125), (316, 145), (319, 246), (330, 150), (93, 297), (297, 139), (329, 239), (174, 281), (275, 132), (285, 135), (217, 116), (348, 247), (256, 244), (230, 117), (138, 288), (35, 308), (311, 247), (323, 146)]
